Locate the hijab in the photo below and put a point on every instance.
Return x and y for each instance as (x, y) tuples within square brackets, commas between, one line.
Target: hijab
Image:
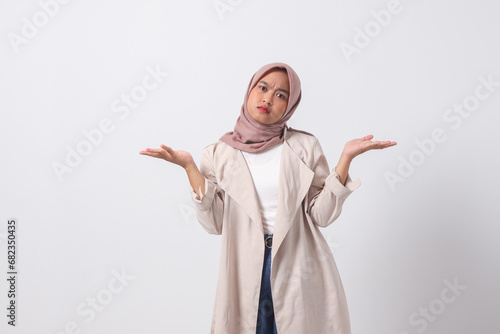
[(252, 136)]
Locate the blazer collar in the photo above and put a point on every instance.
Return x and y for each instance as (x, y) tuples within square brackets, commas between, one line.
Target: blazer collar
[(295, 178)]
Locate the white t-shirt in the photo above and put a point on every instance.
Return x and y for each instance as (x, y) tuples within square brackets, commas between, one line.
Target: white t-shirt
[(265, 168)]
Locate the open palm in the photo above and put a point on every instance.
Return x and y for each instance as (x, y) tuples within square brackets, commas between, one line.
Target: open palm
[(360, 145), (181, 158)]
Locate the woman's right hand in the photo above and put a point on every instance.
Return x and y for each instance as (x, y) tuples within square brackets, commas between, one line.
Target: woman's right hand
[(181, 158)]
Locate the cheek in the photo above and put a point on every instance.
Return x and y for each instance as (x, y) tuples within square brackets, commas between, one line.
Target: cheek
[(253, 94), (251, 98), (283, 105)]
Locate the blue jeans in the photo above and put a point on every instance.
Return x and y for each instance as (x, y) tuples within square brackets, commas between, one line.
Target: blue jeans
[(266, 323)]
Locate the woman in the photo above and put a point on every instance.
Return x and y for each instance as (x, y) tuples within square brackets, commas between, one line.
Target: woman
[(266, 189)]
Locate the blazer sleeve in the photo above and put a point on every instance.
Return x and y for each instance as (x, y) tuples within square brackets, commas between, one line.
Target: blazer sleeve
[(209, 207), (327, 194)]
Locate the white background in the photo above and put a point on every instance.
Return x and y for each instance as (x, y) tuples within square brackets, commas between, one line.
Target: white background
[(119, 211)]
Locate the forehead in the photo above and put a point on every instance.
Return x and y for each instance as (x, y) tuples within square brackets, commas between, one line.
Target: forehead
[(278, 76)]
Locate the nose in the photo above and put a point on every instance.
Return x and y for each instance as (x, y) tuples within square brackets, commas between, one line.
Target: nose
[(268, 98)]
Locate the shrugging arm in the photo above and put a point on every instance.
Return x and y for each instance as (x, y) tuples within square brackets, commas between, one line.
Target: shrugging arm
[(327, 194), (209, 207)]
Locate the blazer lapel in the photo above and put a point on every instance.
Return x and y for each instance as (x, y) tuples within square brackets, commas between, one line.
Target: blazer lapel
[(294, 183), (236, 180)]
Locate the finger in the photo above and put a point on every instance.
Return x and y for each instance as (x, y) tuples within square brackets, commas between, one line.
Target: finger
[(167, 148), (386, 144), (376, 145), (151, 154), (367, 137), (146, 151), (389, 143), (155, 150)]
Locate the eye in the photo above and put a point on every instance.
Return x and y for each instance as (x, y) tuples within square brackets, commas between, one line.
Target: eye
[(282, 96), (263, 87)]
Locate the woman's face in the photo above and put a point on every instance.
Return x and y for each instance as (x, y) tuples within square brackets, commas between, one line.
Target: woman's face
[(268, 100)]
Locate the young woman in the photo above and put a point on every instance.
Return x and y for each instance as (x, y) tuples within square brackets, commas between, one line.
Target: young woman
[(266, 189)]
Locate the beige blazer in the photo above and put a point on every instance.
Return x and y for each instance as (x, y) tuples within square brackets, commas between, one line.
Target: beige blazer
[(307, 291)]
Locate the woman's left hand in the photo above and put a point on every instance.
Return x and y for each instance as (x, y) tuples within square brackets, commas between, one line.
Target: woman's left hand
[(360, 145)]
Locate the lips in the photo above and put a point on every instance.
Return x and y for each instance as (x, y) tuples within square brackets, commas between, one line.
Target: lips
[(263, 109)]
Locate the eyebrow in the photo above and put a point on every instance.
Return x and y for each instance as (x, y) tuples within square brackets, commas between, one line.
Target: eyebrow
[(283, 90)]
